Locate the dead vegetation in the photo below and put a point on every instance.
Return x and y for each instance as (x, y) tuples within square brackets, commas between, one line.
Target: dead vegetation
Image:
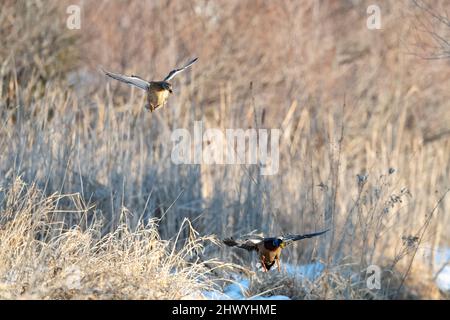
[(44, 258), (372, 171)]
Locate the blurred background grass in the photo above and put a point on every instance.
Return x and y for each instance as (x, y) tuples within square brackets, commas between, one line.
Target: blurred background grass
[(349, 101)]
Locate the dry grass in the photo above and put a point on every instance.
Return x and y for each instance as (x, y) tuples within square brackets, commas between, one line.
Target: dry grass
[(346, 282), (43, 258), (65, 130)]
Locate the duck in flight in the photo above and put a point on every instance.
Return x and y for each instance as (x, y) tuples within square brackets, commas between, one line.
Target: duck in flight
[(157, 91), (268, 249)]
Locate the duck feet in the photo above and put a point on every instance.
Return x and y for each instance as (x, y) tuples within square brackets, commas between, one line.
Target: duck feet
[(263, 263)]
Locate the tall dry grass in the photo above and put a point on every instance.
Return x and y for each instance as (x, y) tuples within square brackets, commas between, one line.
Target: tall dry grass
[(45, 258), (348, 101)]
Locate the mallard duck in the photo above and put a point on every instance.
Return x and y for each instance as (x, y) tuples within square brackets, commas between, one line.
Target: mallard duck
[(268, 248), (157, 91)]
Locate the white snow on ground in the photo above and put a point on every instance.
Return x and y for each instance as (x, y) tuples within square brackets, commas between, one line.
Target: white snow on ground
[(233, 291), (271, 298), (442, 257), (308, 271), (236, 290), (443, 279)]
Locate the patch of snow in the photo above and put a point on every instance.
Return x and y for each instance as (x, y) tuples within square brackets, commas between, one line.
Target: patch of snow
[(270, 298), (442, 257), (214, 295), (236, 290), (309, 271), (443, 279), (441, 265), (233, 291)]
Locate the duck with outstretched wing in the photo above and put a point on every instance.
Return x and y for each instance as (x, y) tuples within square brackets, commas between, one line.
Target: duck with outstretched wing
[(268, 248), (157, 91)]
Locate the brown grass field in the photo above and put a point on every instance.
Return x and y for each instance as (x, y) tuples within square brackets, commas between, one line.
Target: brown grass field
[(92, 207)]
